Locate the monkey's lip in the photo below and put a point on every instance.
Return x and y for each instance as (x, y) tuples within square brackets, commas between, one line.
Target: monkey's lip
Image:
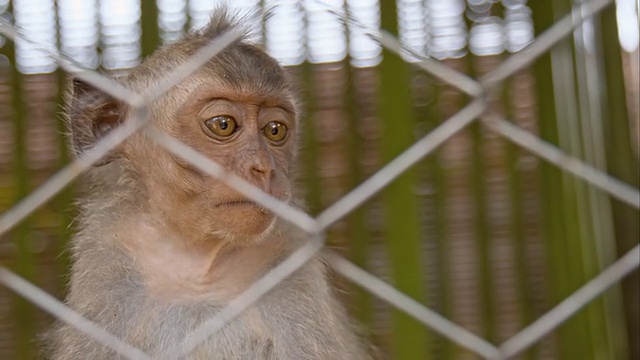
[(240, 203)]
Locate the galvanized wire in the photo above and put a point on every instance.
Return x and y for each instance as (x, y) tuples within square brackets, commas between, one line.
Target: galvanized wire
[(314, 227), (51, 305), (614, 187), (572, 304), (430, 318)]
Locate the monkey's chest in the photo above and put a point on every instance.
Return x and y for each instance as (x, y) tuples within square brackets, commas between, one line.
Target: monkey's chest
[(161, 332)]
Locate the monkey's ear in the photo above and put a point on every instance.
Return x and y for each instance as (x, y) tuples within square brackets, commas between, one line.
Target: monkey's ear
[(92, 114)]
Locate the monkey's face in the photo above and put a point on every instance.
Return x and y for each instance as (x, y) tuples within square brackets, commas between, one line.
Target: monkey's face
[(237, 110), (249, 135)]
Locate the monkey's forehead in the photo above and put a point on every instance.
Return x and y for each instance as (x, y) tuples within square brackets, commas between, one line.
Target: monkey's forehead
[(191, 96), (243, 71)]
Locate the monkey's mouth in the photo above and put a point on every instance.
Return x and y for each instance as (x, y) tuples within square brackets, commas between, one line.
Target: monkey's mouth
[(234, 203)]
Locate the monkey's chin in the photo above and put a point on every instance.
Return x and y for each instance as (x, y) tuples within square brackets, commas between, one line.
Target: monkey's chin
[(247, 221)]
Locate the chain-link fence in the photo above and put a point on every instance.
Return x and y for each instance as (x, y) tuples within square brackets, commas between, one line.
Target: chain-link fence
[(477, 110)]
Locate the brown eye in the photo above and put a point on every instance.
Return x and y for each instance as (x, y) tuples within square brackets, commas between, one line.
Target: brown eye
[(222, 126), (275, 131)]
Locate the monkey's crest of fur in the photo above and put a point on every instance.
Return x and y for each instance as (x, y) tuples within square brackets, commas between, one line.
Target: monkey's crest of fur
[(223, 20)]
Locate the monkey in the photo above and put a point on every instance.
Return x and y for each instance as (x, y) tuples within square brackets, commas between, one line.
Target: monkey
[(160, 246)]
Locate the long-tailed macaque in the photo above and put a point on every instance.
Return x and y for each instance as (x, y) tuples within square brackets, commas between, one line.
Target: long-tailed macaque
[(161, 247)]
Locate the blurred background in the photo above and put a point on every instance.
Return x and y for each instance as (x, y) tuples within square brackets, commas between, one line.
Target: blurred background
[(481, 231)]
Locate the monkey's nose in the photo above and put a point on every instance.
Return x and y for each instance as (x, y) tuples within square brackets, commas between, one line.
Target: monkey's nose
[(260, 167)]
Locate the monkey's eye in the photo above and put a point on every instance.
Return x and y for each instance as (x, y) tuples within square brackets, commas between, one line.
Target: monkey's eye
[(222, 125), (275, 131)]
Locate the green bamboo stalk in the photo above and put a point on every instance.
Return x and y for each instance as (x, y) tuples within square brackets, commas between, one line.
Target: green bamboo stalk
[(402, 223), (592, 214), (555, 219), (309, 156), (580, 238), (623, 164), (25, 260), (604, 315), (64, 200), (149, 26), (573, 235), (576, 237)]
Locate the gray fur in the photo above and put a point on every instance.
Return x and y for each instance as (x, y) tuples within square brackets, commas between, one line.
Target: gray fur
[(299, 319)]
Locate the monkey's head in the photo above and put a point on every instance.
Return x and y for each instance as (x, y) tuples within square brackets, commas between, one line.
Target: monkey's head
[(238, 110)]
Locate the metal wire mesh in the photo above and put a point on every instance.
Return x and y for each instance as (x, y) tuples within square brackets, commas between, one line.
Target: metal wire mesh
[(477, 109)]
